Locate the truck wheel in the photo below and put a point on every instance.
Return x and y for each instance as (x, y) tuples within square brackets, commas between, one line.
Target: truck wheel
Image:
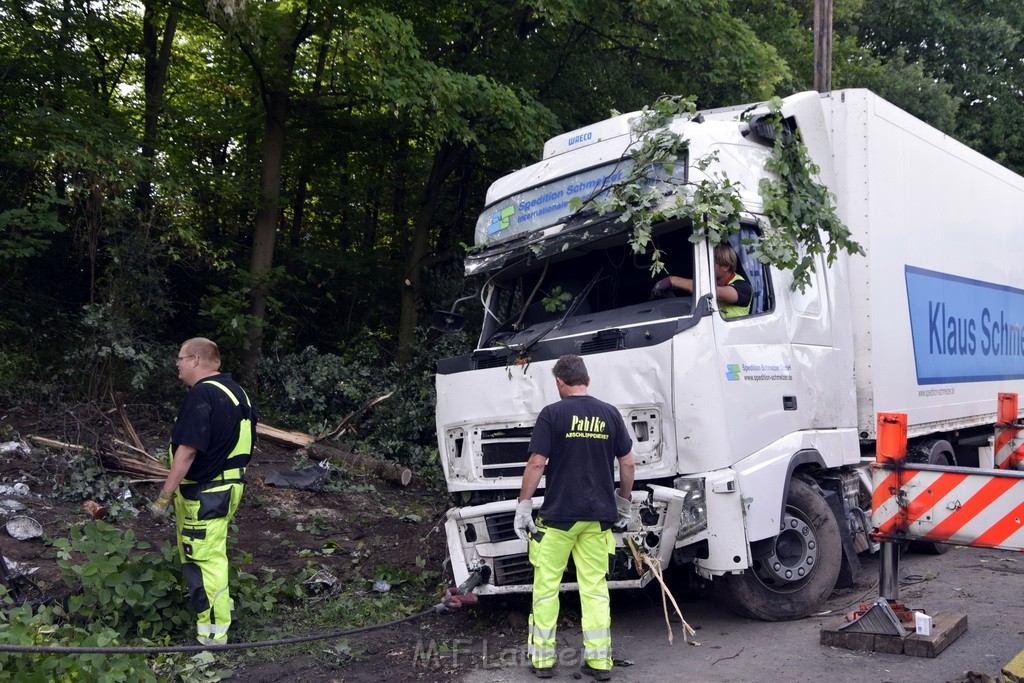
[(801, 568)]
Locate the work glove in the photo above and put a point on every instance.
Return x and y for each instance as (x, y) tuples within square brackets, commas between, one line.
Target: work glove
[(661, 287), (625, 510), (159, 506), (523, 524)]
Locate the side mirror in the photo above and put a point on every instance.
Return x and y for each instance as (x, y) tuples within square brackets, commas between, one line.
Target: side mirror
[(447, 321)]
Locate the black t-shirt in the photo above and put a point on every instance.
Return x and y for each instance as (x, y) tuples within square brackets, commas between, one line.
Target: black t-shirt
[(743, 292), (581, 437), (209, 422)]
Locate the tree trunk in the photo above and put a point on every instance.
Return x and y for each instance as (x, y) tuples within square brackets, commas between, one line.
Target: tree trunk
[(157, 57), (265, 229), (446, 160)]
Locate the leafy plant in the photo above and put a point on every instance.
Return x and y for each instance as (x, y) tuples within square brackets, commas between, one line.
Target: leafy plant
[(556, 300), (798, 207), (120, 584), (80, 478)]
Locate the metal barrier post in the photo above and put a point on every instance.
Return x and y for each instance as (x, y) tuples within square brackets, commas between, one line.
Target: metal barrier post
[(891, 448)]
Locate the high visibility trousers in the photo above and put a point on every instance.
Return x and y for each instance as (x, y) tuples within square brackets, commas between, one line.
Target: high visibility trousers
[(590, 548), (202, 516)]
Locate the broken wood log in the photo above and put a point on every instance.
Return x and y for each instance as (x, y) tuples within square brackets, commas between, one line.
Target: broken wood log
[(127, 463), (285, 437), (379, 468), (43, 441)]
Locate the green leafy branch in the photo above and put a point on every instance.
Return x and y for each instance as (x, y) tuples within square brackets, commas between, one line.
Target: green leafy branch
[(799, 209)]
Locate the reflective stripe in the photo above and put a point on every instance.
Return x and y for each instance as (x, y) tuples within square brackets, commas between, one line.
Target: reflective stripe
[(225, 477), (203, 640), (546, 597), (537, 651), (597, 633), (211, 629), (592, 653), (542, 633)]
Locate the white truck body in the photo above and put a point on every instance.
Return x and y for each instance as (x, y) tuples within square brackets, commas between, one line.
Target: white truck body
[(727, 413)]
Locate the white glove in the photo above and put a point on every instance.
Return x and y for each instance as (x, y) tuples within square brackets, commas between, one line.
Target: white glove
[(524, 525), (625, 510)]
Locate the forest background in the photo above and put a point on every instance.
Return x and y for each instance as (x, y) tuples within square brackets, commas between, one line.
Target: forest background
[(299, 179)]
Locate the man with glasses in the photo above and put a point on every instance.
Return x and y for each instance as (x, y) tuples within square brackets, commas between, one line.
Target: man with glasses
[(211, 444)]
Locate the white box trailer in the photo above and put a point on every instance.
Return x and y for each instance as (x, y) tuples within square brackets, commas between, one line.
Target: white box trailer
[(751, 434)]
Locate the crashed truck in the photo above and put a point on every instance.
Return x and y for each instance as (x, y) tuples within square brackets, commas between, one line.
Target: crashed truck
[(751, 435)]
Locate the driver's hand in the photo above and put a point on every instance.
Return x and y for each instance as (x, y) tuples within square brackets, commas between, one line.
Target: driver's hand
[(661, 287)]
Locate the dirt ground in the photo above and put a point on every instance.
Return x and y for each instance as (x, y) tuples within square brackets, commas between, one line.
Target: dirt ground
[(367, 520)]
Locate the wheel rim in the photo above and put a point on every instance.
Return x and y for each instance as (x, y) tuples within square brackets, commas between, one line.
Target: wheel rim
[(793, 557)]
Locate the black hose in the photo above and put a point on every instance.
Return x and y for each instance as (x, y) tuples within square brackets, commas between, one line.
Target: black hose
[(62, 650)]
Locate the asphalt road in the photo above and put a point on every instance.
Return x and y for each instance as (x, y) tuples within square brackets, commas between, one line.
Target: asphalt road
[(986, 585)]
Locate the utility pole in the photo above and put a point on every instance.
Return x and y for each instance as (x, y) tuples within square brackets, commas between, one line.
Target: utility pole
[(823, 45)]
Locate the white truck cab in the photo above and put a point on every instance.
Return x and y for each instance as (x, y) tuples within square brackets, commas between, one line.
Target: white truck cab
[(750, 434)]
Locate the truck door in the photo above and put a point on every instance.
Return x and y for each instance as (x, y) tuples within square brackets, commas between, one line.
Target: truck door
[(777, 368)]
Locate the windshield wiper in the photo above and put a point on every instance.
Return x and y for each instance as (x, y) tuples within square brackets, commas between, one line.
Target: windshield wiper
[(521, 350)]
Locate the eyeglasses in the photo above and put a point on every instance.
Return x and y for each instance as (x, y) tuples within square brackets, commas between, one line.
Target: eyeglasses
[(181, 358)]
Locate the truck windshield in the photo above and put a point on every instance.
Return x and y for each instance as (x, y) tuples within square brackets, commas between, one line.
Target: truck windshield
[(592, 286)]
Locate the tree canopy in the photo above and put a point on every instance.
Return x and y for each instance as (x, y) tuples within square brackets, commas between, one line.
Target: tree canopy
[(299, 173)]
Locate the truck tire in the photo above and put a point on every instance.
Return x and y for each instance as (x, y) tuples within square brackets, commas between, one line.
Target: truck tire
[(799, 572)]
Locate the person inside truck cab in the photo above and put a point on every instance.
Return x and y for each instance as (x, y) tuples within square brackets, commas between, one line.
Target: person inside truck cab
[(734, 292)]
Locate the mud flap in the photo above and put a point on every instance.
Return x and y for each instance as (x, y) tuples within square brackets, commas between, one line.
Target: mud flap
[(850, 567)]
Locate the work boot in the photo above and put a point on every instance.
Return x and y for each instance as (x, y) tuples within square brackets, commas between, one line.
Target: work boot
[(544, 672), (598, 674)]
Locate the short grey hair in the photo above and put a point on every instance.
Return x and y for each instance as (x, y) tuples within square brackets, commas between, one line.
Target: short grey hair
[(572, 370)]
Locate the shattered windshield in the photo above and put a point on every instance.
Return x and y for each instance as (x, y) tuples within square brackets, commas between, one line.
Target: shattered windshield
[(586, 280)]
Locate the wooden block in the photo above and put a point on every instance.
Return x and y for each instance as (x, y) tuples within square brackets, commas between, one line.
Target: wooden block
[(946, 627), (892, 645)]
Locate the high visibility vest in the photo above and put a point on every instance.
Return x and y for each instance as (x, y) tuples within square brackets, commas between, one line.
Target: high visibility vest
[(241, 453), (735, 310)]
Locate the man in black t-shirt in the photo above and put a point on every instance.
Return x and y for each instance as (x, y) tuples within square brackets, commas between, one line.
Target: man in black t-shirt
[(211, 445), (575, 443)]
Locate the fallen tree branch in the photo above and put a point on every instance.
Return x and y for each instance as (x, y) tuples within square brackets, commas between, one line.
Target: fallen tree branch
[(285, 437), (385, 470), (128, 428), (340, 429), (43, 441), (654, 567)]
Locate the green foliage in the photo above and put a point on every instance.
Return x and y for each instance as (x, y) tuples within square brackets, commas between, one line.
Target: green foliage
[(309, 389), (227, 307), (799, 209), (50, 625), (556, 300), (27, 231), (80, 477), (119, 584)]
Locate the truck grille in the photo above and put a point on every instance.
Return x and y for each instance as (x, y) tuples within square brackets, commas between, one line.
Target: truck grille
[(505, 451), (512, 570), (492, 362), (500, 527)]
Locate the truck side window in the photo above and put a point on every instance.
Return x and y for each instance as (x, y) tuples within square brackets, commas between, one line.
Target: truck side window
[(752, 270)]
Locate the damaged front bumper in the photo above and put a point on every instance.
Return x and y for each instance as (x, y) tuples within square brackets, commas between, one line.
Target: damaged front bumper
[(483, 536)]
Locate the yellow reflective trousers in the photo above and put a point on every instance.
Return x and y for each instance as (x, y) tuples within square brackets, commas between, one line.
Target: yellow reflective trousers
[(590, 547)]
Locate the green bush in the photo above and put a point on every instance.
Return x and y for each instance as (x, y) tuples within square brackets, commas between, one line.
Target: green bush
[(117, 586)]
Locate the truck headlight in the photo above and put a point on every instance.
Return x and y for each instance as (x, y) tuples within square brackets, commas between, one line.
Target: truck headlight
[(694, 516)]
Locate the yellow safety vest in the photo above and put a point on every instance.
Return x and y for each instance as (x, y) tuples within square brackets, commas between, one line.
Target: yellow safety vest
[(734, 310)]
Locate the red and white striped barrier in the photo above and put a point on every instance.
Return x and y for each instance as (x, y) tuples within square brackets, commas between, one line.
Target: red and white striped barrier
[(1008, 448), (958, 505)]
